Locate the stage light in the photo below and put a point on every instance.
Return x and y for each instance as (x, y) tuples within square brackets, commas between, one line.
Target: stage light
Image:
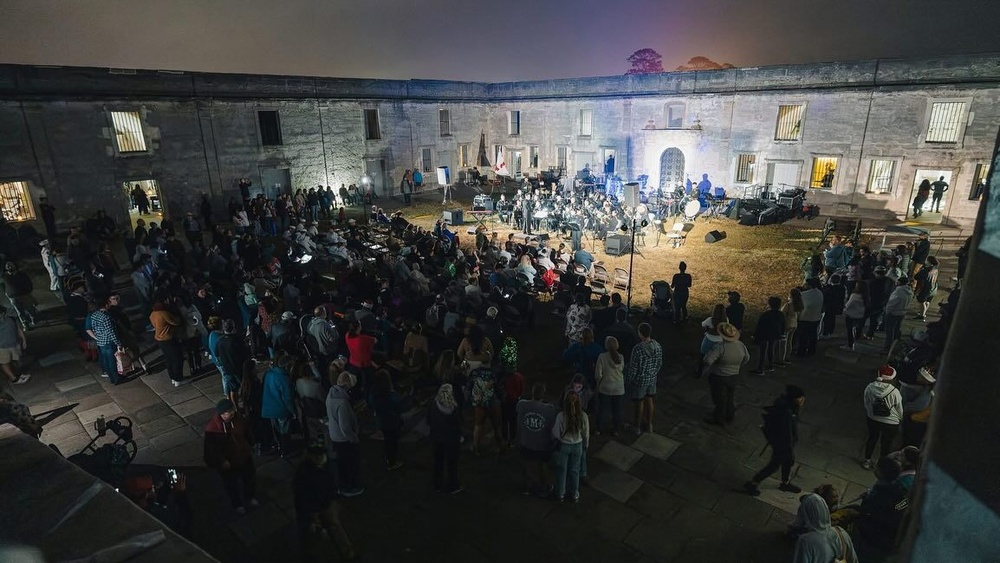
[(624, 228)]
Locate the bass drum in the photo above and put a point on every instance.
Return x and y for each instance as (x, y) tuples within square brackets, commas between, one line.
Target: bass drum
[(692, 208)]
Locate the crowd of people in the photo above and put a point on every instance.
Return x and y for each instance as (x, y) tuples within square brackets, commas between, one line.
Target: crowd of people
[(408, 325)]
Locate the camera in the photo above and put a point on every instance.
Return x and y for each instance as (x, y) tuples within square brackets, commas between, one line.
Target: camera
[(172, 476)]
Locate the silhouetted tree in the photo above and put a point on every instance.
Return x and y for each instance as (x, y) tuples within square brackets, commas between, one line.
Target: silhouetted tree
[(703, 63), (645, 61)]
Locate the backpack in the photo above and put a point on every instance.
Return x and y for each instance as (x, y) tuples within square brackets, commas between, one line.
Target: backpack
[(881, 406), (433, 316)]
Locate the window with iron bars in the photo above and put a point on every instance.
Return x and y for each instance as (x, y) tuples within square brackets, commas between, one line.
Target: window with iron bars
[(15, 202), (880, 176), (789, 126), (746, 165), (128, 131), (945, 124)]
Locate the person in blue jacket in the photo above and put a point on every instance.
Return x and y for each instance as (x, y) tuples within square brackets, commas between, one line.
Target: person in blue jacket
[(278, 404)]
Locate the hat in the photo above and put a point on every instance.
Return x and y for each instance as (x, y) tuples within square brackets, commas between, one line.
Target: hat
[(925, 374), (492, 312), (287, 316), (886, 373), (346, 379), (728, 332), (224, 405)]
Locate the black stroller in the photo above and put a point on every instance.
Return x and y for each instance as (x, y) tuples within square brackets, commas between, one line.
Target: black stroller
[(661, 299)]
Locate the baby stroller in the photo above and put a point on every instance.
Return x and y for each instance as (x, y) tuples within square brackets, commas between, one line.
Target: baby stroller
[(661, 299)]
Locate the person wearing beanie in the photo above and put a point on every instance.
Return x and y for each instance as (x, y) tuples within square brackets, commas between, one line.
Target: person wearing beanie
[(344, 438), (229, 450), (884, 408), (781, 429)]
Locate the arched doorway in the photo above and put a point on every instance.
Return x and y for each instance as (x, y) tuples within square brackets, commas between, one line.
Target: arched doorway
[(671, 168)]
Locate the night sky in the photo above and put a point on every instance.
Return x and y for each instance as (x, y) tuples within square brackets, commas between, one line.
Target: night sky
[(477, 40)]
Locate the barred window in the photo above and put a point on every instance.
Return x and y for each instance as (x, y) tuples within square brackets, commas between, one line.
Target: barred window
[(562, 157), (426, 166), (15, 202), (823, 172), (586, 122), (880, 176), (444, 122), (945, 124), (789, 126), (514, 122), (128, 131), (746, 165)]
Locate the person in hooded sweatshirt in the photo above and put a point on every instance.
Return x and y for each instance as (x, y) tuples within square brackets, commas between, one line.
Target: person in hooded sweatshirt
[(445, 421), (229, 450), (781, 428), (821, 542), (342, 424), (278, 402), (884, 407)]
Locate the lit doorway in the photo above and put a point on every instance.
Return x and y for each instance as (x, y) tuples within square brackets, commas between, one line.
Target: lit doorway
[(376, 171), (671, 169), (931, 211), (144, 201), (274, 182)]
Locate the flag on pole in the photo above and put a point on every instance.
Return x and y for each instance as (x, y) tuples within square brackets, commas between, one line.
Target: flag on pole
[(500, 168)]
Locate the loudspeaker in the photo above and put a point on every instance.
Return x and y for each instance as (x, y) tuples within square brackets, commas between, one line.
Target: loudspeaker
[(453, 216), (630, 195), (543, 237), (715, 236), (616, 245)]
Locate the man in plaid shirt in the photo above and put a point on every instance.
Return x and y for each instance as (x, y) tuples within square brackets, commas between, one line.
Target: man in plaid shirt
[(640, 377), (103, 332)]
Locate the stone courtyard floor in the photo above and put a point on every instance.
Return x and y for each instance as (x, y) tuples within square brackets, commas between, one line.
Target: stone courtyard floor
[(671, 496)]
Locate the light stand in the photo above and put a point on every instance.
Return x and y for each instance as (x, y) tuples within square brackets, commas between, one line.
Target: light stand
[(631, 261)]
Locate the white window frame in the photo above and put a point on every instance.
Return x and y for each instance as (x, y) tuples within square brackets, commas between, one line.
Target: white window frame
[(797, 129), (668, 112), (959, 127), (586, 123), (444, 122), (751, 168), (123, 123), (562, 157), (514, 122), (893, 176), (19, 192)]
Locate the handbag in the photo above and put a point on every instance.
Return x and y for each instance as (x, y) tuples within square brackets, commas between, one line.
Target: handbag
[(843, 547), (124, 361)]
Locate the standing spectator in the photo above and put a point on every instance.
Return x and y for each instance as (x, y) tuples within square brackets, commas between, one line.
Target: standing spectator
[(854, 313), (512, 388), (711, 336), (127, 337), (583, 354), (343, 426), (360, 348), (535, 419), (205, 211), (105, 333), (879, 289), (18, 288), (640, 377), (278, 405), (938, 188), (12, 342), (837, 255), (165, 327), (48, 217), (722, 364), (809, 318), (444, 419), (681, 284), (229, 450), (921, 250), (609, 374), (781, 429), (315, 501), (51, 265), (475, 349), (770, 328), (571, 430), (231, 354), (927, 284), (821, 541), (884, 410), (578, 317), (389, 416), (923, 192), (834, 295), (735, 310), (895, 310), (192, 229), (483, 394)]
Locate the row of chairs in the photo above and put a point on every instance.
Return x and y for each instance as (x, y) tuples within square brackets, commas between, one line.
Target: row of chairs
[(603, 282)]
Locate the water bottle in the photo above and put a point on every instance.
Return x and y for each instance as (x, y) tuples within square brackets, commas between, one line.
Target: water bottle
[(101, 425)]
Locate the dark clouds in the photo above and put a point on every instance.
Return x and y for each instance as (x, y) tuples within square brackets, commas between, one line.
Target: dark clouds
[(476, 40)]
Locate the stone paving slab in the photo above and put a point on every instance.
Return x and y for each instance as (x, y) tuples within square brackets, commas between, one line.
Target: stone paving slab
[(616, 484), (173, 438), (618, 455), (743, 509), (181, 394), (151, 413), (259, 523), (655, 445), (109, 410), (696, 489), (195, 405), (162, 425), (198, 420), (75, 383), (656, 540), (187, 454), (61, 431), (656, 502), (133, 398), (80, 394), (57, 358)]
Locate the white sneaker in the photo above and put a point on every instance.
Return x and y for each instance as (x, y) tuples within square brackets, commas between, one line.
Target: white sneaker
[(105, 376), (23, 379), (176, 383)]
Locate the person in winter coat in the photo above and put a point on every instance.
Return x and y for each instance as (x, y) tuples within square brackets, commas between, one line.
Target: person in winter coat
[(879, 289), (834, 295), (278, 403), (821, 542), (895, 310), (444, 419), (854, 313), (229, 450), (342, 423), (609, 373), (884, 408), (231, 354), (315, 501), (770, 328), (781, 429), (389, 416)]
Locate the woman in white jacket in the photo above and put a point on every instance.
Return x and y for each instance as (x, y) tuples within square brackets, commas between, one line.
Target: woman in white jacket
[(884, 407), (609, 372)]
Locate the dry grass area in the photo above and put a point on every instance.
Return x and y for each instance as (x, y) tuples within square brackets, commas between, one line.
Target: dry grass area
[(756, 261)]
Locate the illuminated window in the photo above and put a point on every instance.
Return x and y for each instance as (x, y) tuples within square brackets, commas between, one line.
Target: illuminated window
[(128, 131), (586, 122), (270, 128), (444, 122), (746, 164), (15, 202), (425, 161), (945, 124), (513, 122), (824, 172), (675, 115), (979, 181), (533, 156), (372, 131), (880, 176), (562, 156), (789, 126), (463, 156)]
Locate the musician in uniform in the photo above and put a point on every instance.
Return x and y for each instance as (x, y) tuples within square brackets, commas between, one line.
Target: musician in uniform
[(528, 211)]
